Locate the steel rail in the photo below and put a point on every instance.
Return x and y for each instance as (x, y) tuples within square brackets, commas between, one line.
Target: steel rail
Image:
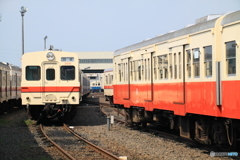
[(106, 114), (58, 147), (94, 147)]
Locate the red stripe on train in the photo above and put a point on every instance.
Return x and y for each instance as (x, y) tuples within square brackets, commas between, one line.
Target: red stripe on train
[(51, 89), (108, 87)]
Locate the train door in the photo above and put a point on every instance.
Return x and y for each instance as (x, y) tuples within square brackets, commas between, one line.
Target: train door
[(50, 81), (179, 78), (126, 78), (147, 76)]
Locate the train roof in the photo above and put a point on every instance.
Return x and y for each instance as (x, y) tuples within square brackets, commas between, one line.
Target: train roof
[(202, 24)]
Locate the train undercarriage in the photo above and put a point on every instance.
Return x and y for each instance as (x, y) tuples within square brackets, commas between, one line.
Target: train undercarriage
[(221, 132), (7, 106), (50, 112)]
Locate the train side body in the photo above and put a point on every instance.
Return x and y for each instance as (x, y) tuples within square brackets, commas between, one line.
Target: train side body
[(189, 77), (162, 75)]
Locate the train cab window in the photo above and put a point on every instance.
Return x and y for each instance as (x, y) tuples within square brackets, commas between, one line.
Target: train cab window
[(50, 74), (196, 62), (33, 73), (67, 72), (231, 57), (208, 60), (189, 62)]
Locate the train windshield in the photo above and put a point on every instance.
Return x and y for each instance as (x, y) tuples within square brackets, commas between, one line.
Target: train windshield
[(33, 73), (67, 72)]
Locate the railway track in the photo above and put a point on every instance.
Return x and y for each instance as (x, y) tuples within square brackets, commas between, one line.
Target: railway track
[(72, 145), (162, 132)]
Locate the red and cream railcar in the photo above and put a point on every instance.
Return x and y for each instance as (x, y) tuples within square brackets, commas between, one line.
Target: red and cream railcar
[(187, 79), (51, 84), (10, 78), (108, 87)]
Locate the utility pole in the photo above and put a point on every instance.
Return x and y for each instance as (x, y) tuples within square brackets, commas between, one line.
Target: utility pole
[(23, 10)]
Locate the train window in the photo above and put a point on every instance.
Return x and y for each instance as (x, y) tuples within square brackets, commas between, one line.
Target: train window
[(126, 71), (154, 68), (149, 69), (136, 70), (67, 72), (170, 65), (145, 61), (50, 74), (175, 66), (106, 79), (165, 66), (119, 72), (122, 70), (179, 68), (33, 73), (131, 70), (231, 57), (196, 62), (208, 60), (139, 70), (160, 67), (189, 60)]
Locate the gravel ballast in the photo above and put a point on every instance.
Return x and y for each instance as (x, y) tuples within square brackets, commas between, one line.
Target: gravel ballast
[(20, 138)]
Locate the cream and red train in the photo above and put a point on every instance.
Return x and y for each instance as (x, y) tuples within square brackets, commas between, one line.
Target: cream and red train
[(108, 84), (10, 79), (52, 84), (188, 79)]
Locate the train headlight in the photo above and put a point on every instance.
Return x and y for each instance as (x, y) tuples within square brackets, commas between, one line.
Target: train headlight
[(50, 56)]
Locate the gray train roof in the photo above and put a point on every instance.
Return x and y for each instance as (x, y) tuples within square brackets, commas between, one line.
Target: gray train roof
[(185, 31), (232, 17)]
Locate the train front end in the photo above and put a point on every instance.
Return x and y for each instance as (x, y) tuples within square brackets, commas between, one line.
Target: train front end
[(50, 85)]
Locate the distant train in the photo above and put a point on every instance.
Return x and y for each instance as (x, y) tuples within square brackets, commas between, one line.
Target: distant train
[(52, 84), (108, 81), (188, 80), (10, 80)]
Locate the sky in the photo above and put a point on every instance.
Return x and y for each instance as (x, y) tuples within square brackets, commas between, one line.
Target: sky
[(95, 25)]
